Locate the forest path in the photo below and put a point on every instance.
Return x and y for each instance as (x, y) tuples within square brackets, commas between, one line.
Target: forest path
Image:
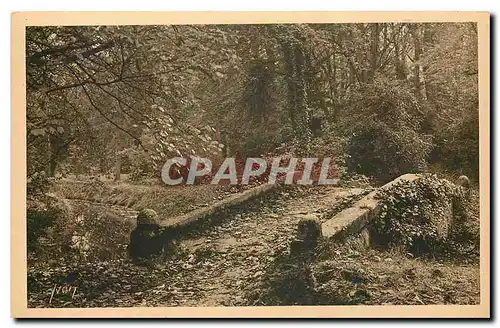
[(232, 255)]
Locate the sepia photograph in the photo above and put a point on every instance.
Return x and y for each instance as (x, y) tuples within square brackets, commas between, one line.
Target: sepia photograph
[(257, 163)]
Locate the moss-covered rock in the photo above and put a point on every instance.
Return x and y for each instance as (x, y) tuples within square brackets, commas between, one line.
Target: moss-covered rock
[(417, 215), (147, 217), (308, 235), (309, 228)]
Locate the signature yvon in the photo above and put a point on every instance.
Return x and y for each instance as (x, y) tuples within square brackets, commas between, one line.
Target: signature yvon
[(62, 290)]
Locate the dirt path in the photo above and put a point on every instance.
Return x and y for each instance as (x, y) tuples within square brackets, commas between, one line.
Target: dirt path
[(235, 253)]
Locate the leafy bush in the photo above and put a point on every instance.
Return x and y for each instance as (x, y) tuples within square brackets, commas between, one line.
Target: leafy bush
[(384, 131), (39, 183), (258, 96), (465, 234), (141, 166), (258, 144), (385, 154), (458, 146), (42, 213), (105, 233)]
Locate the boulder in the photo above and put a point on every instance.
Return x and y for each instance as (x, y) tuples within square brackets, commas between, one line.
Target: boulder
[(464, 185), (308, 235), (309, 228), (147, 217), (146, 240), (463, 181), (416, 215)]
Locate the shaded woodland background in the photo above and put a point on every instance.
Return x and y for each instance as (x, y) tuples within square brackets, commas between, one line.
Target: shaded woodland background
[(108, 105), (114, 102)]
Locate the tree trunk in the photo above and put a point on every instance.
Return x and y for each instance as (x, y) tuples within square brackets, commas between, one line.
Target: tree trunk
[(399, 64), (332, 84), (428, 38), (118, 167), (374, 35), (294, 65), (223, 140), (50, 157), (58, 150), (417, 72)]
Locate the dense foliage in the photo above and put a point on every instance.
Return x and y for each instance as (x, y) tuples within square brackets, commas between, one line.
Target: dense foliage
[(382, 99), (100, 96), (386, 141)]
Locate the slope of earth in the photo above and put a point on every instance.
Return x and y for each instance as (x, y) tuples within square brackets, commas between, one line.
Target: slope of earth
[(168, 202), (381, 277), (353, 275)]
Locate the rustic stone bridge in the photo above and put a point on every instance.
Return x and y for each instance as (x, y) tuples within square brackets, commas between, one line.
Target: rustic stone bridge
[(153, 234)]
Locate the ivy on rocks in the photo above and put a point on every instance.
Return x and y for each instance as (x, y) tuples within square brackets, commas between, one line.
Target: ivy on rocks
[(423, 216)]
